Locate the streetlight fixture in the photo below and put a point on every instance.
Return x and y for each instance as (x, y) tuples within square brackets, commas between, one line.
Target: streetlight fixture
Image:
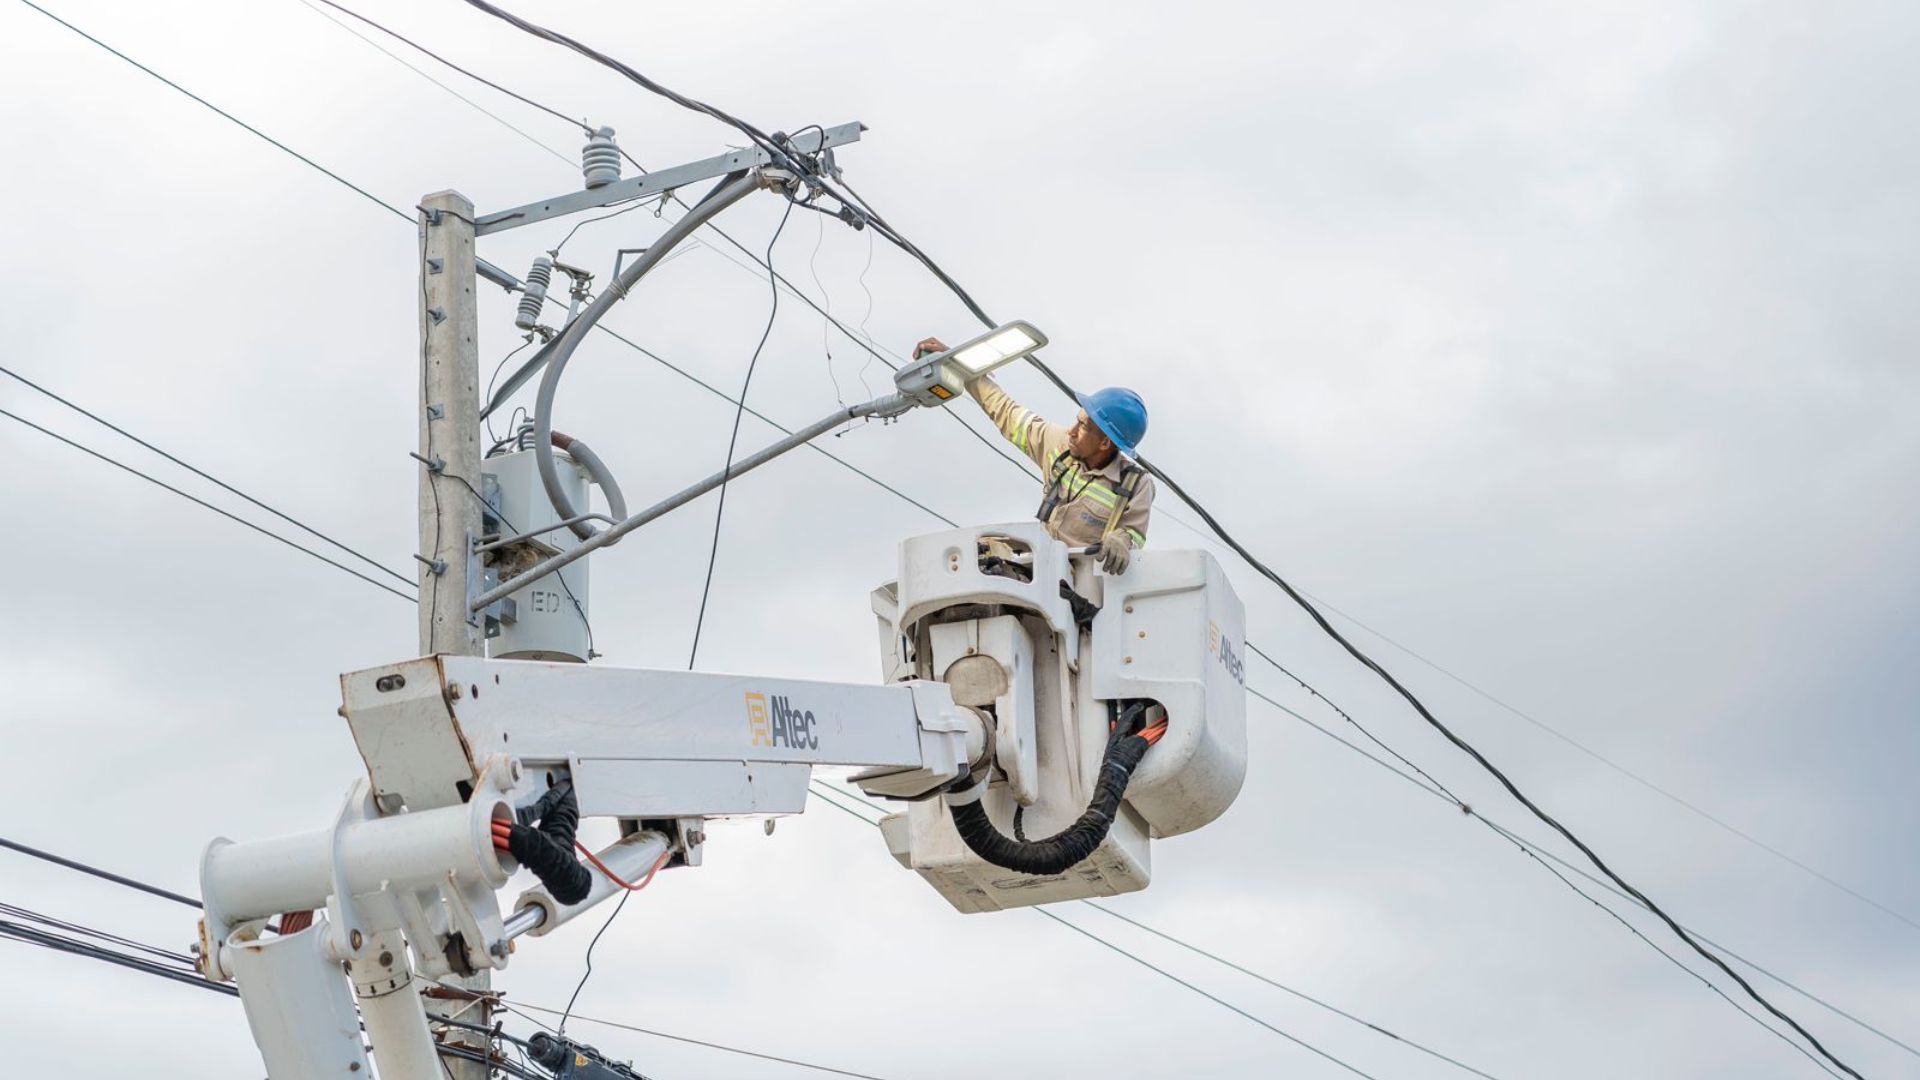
[(937, 379)]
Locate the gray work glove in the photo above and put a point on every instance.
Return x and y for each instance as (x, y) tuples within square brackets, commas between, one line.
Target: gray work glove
[(1116, 549)]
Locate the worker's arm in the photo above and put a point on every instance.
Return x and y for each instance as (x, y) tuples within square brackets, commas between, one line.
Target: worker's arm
[(1032, 434)]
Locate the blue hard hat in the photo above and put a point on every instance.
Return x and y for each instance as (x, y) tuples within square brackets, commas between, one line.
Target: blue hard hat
[(1119, 414)]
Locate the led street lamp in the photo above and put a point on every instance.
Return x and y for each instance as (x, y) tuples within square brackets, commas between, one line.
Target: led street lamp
[(937, 379)]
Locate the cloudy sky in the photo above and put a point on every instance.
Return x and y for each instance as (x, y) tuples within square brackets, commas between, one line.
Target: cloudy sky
[(1572, 346)]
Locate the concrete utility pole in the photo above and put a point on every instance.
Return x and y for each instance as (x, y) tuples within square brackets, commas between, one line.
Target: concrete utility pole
[(449, 512)]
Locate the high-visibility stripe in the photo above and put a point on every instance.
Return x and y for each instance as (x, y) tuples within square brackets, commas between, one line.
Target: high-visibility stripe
[(1139, 538)]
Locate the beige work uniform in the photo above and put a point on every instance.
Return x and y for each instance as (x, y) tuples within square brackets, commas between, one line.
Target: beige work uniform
[(1088, 496)]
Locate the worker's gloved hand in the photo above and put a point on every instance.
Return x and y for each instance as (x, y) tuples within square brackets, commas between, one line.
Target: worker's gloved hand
[(928, 346), (1116, 550)]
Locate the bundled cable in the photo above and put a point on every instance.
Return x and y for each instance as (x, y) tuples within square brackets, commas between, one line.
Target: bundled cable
[(547, 848), (1067, 848)]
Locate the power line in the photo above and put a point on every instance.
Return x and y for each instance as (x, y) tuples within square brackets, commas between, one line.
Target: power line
[(52, 923), (398, 59), (827, 794), (822, 791), (34, 936), (203, 503), (510, 1007), (363, 192), (1543, 854), (1644, 782), (204, 475), (410, 43), (104, 875), (1250, 973)]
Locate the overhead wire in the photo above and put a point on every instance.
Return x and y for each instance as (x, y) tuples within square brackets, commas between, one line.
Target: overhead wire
[(1673, 797), (55, 924), (34, 936), (204, 475), (45, 939), (228, 514), (368, 195), (94, 871), (1156, 969), (402, 61), (1541, 854), (523, 1009)]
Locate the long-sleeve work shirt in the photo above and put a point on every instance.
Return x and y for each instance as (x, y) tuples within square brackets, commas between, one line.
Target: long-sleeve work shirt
[(1088, 495)]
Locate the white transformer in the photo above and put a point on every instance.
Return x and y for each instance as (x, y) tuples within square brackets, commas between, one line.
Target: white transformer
[(546, 620), (991, 612)]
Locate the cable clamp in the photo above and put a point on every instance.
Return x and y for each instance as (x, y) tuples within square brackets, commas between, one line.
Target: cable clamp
[(435, 466), (434, 266), (438, 566), (438, 315), (436, 412)]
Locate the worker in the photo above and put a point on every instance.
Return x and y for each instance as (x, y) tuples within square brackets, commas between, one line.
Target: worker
[(1096, 494)]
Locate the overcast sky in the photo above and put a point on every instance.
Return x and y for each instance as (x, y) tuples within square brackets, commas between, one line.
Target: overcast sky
[(1573, 346)]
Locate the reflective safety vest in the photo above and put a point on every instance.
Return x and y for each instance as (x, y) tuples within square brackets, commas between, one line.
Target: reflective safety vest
[(1080, 506)]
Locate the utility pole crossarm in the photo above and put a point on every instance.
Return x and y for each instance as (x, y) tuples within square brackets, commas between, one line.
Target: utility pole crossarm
[(653, 183)]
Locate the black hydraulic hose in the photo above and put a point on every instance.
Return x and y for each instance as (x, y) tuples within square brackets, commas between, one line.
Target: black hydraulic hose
[(1067, 848), (547, 850)]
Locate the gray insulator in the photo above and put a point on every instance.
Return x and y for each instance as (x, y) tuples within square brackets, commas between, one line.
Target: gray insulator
[(536, 293), (600, 161)]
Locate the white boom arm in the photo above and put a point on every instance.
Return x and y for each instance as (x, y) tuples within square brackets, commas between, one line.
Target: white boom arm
[(455, 744)]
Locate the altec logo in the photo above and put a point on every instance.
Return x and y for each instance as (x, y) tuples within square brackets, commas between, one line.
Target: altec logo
[(781, 723), (1218, 645)]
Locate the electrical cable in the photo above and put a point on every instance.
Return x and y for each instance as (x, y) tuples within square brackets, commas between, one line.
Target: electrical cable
[(1543, 856), (228, 514), (828, 795), (587, 852), (53, 924), (410, 43), (733, 439), (375, 199), (497, 368), (502, 121), (625, 895), (1302, 995), (517, 1010), (1678, 800), (94, 871), (32, 936), (759, 138), (204, 475), (1149, 966)]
